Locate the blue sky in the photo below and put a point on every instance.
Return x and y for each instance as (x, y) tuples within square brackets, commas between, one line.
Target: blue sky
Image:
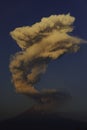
[(69, 73)]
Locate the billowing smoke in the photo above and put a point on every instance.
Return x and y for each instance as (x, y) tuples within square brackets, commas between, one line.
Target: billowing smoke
[(41, 43)]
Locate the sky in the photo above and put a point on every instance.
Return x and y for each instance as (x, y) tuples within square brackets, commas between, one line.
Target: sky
[(67, 73)]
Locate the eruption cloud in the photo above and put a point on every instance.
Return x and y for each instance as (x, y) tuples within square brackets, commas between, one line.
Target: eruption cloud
[(41, 43)]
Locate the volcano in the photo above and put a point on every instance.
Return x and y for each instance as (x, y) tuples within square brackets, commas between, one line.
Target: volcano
[(36, 118)]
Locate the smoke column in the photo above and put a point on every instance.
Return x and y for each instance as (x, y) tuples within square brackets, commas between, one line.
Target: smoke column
[(40, 43)]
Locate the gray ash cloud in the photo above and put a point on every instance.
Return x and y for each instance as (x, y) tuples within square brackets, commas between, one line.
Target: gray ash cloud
[(40, 43)]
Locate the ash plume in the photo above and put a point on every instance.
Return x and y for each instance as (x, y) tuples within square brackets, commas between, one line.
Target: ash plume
[(40, 43)]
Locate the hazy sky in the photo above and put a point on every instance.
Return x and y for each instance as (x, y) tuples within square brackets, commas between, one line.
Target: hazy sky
[(69, 73)]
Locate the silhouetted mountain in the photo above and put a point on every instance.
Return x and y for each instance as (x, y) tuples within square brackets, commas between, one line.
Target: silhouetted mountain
[(37, 118)]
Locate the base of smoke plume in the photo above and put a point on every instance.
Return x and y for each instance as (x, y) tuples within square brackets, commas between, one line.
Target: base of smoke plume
[(49, 100)]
